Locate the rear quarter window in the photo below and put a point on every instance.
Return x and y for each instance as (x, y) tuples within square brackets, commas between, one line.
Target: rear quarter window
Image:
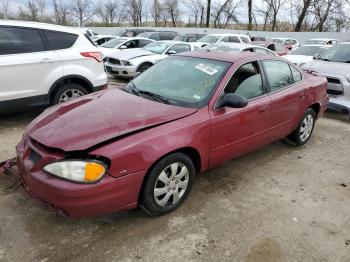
[(60, 40), (16, 40)]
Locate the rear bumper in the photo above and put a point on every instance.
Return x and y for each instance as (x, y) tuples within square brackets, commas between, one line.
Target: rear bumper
[(76, 200)]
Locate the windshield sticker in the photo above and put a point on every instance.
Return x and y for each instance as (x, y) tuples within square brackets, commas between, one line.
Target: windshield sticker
[(206, 69), (197, 97)]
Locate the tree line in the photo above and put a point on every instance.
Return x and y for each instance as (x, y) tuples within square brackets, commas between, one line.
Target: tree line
[(272, 15)]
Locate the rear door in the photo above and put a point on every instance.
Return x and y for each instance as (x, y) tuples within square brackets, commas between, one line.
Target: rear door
[(288, 95), (26, 64)]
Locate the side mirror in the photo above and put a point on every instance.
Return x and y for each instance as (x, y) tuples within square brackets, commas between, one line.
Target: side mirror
[(171, 52), (232, 100), (123, 47)]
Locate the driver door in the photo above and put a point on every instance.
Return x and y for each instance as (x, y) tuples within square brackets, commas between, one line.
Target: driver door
[(236, 131)]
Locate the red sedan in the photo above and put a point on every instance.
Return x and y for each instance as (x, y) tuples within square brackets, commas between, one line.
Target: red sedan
[(143, 145)]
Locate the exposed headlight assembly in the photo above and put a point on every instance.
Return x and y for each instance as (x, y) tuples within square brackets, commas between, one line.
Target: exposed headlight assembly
[(126, 63), (81, 171)]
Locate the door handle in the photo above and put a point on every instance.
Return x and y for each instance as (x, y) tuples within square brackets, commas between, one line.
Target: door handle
[(262, 109), (301, 95), (46, 60)]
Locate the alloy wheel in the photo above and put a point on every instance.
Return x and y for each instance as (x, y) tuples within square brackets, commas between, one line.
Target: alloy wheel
[(70, 94), (306, 127), (171, 184)]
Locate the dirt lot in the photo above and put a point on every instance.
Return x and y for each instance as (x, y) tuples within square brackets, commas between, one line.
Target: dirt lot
[(277, 204)]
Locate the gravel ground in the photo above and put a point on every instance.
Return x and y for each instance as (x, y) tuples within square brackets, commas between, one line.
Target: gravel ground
[(277, 204)]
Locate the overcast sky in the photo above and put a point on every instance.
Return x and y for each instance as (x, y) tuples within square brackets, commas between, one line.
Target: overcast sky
[(242, 12)]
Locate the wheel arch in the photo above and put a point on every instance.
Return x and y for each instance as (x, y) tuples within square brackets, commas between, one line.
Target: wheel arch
[(317, 108), (191, 152), (144, 62), (77, 79)]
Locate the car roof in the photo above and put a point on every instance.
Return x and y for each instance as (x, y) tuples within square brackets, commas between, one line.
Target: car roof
[(231, 57), (228, 34), (323, 39), (39, 25), (233, 45)]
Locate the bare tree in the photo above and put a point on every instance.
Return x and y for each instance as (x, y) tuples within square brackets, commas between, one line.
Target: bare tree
[(305, 5), (156, 12), (5, 9), (196, 10), (82, 11), (172, 8), (207, 23), (136, 11), (225, 12), (110, 12), (250, 17), (61, 12)]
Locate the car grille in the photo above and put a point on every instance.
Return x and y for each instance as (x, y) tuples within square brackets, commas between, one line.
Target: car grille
[(113, 61), (34, 156)]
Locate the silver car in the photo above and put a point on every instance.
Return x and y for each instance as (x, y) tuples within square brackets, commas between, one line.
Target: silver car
[(334, 64)]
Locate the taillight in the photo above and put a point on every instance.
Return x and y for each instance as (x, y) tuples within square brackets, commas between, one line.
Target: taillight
[(95, 55)]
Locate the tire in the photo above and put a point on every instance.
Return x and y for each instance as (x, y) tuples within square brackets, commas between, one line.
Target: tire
[(305, 128), (143, 67), (71, 91), (161, 193)]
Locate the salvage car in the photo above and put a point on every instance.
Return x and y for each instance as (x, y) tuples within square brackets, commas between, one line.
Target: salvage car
[(130, 63), (323, 41), (278, 48), (237, 47), (334, 65), (305, 54), (228, 38), (290, 43), (123, 43), (143, 145)]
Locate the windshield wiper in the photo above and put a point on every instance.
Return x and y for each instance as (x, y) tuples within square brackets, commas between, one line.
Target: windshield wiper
[(156, 96)]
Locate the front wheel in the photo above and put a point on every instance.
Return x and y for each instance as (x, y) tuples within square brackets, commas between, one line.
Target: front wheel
[(304, 130), (143, 67), (168, 184)]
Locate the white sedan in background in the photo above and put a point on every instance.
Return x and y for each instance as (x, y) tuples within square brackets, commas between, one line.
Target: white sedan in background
[(101, 39), (305, 54), (128, 63), (237, 47), (124, 43), (323, 41)]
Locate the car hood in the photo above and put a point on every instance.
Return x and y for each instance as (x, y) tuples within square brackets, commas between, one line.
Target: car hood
[(87, 121), (298, 59), (130, 54), (334, 68)]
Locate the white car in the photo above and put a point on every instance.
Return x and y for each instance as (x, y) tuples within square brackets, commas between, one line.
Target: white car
[(101, 39), (305, 54), (323, 41), (237, 47), (127, 64), (43, 64), (228, 38), (290, 43), (121, 43)]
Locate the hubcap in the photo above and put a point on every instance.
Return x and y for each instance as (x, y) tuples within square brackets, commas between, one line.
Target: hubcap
[(70, 94), (171, 184), (306, 128)]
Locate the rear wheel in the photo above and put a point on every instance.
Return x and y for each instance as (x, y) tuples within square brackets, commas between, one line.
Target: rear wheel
[(305, 128), (168, 184), (69, 92)]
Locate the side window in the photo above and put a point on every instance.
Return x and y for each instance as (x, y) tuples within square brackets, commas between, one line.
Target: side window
[(143, 42), (278, 74), (59, 40), (234, 39), (278, 47), (261, 51), (131, 44), (14, 40), (179, 48), (246, 81), (244, 39), (296, 74), (292, 42), (287, 42), (271, 47), (192, 39), (155, 37), (225, 39)]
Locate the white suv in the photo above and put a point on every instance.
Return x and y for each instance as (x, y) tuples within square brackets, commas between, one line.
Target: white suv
[(228, 38), (43, 64)]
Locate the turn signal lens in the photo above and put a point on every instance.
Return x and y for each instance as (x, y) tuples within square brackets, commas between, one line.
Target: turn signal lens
[(93, 171)]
